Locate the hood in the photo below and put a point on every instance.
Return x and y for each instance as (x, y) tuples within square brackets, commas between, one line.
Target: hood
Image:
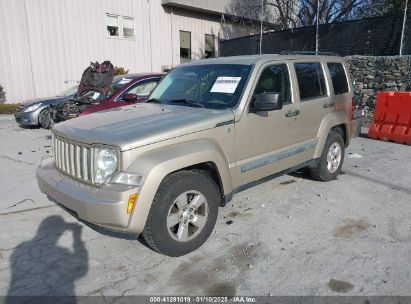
[(141, 124), (45, 101)]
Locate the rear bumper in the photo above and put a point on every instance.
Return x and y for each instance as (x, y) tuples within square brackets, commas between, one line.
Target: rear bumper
[(105, 206), (27, 118)]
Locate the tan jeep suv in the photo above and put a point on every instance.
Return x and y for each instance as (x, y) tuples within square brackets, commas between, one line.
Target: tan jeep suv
[(209, 129)]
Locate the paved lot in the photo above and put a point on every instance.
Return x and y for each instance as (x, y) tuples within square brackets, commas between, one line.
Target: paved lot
[(288, 236)]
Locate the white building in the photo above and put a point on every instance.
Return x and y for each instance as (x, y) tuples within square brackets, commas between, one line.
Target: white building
[(46, 44)]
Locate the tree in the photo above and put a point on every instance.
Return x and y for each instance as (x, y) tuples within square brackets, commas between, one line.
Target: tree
[(382, 7), (329, 11), (285, 14), (250, 12)]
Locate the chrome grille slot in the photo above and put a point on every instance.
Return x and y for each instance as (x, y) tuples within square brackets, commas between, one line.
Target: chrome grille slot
[(84, 162), (63, 156), (72, 159), (78, 158), (66, 157)]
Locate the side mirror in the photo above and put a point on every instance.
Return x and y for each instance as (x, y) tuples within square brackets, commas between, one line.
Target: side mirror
[(267, 102), (130, 97)]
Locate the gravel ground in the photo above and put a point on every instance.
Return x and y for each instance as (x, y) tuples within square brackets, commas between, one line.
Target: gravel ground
[(287, 236)]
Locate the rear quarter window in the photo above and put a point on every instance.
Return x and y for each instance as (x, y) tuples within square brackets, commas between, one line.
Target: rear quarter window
[(338, 78), (311, 81)]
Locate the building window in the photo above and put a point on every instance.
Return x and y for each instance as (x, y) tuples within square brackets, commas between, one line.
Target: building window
[(209, 46), (120, 26), (185, 46), (128, 27), (112, 26)]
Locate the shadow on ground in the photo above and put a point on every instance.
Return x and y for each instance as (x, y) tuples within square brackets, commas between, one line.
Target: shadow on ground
[(41, 267)]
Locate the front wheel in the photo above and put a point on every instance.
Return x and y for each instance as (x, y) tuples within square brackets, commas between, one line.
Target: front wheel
[(183, 213), (44, 119), (331, 160)]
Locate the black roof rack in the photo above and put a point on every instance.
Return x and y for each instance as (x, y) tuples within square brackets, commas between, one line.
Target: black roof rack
[(309, 53)]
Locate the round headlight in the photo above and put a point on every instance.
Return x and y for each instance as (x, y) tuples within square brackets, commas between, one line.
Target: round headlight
[(106, 165)]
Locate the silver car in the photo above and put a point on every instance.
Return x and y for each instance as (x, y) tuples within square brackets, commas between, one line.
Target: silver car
[(35, 112)]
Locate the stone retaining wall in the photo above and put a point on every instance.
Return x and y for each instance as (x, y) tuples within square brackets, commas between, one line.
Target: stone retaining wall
[(372, 74)]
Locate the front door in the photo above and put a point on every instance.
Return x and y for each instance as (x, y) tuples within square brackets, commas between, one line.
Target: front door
[(266, 142), (142, 89)]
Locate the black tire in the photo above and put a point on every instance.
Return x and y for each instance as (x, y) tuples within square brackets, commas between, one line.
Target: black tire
[(44, 119), (156, 233), (322, 172)]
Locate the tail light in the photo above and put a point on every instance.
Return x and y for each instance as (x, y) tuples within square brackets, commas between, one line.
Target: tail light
[(352, 107)]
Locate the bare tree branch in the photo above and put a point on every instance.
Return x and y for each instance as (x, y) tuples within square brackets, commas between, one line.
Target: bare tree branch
[(285, 14)]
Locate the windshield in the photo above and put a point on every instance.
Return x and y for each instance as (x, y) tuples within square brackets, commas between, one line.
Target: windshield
[(118, 83), (213, 86), (69, 92)]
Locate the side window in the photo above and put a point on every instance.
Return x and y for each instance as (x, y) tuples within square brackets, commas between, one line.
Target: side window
[(338, 77), (143, 89), (275, 79), (311, 81)]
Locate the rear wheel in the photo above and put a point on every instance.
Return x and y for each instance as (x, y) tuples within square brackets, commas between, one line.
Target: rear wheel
[(183, 213), (44, 119), (332, 158)]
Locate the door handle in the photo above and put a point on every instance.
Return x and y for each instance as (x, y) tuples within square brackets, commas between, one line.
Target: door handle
[(329, 105), (292, 113)]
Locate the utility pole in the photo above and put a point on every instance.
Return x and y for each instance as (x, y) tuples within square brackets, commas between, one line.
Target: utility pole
[(317, 30), (403, 28), (261, 26)]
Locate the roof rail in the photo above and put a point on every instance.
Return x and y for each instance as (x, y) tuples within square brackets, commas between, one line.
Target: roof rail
[(308, 53)]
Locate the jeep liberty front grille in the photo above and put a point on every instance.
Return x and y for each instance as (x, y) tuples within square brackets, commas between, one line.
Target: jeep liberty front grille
[(72, 159)]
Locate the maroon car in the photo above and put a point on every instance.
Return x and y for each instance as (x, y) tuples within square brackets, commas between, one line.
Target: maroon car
[(126, 90)]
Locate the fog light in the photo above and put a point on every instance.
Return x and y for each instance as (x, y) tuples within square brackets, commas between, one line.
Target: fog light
[(131, 200)]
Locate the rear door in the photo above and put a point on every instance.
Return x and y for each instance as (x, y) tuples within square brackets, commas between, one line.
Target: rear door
[(314, 97), (342, 94)]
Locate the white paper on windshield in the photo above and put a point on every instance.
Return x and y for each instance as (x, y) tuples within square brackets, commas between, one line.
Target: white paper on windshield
[(95, 95), (225, 84), (124, 81)]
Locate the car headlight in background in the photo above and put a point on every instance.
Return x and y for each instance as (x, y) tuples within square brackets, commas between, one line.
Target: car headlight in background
[(129, 179), (106, 162), (32, 107)]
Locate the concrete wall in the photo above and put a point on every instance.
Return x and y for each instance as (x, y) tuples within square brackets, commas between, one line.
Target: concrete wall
[(46, 44), (372, 74)]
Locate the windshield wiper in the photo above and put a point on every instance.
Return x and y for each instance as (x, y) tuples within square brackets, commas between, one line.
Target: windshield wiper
[(154, 100), (188, 102)]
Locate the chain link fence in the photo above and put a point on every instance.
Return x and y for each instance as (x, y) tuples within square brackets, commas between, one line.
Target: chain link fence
[(378, 36)]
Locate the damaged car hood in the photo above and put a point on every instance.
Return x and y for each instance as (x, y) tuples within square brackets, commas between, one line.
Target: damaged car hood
[(139, 125)]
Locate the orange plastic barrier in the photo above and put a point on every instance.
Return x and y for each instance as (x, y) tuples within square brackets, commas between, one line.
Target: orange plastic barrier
[(392, 117)]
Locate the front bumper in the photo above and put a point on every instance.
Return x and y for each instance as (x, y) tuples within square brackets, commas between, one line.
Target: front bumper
[(105, 206), (27, 118)]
